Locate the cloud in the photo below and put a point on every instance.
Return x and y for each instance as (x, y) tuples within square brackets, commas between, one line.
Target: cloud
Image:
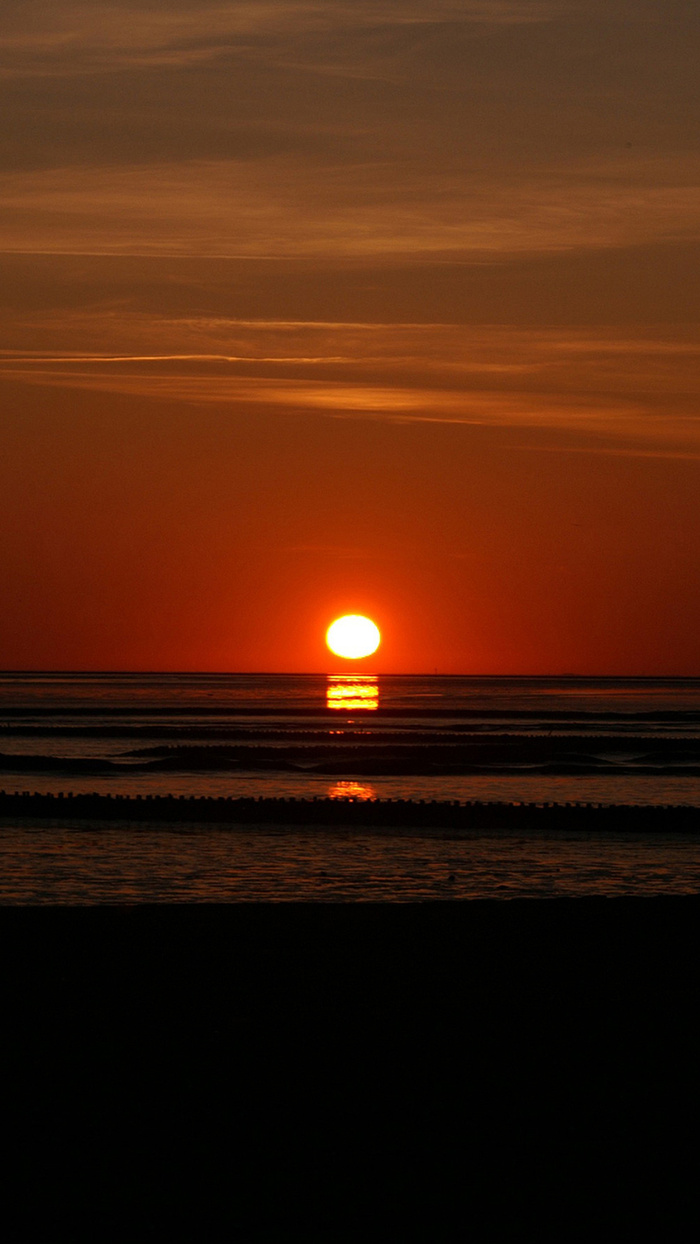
[(281, 206), (634, 390), (337, 129), (74, 38)]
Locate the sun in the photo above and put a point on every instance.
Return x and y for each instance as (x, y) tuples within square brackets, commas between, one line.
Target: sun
[(353, 636)]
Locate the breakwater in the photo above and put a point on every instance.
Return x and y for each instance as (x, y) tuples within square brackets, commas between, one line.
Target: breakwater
[(398, 814)]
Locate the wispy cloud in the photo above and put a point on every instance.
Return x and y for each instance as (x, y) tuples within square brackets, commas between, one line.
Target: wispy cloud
[(641, 389), (280, 206), (334, 129), (81, 38)]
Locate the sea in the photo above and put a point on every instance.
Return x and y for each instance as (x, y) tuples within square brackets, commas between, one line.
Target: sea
[(345, 737)]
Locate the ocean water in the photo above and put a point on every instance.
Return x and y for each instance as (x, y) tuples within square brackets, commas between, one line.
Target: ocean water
[(529, 740), (631, 741)]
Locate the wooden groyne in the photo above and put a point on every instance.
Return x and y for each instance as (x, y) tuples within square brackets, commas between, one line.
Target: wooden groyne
[(397, 814)]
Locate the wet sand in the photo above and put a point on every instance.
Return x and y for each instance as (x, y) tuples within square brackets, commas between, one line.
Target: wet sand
[(381, 1062)]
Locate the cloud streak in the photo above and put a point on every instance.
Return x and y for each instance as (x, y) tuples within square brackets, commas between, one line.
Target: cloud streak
[(637, 390), (273, 207), (329, 129), (63, 38)]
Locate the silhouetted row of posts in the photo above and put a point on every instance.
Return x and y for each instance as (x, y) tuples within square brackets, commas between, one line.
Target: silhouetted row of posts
[(344, 811)]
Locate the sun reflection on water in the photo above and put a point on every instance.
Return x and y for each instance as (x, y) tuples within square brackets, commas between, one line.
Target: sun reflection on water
[(351, 790), (352, 692)]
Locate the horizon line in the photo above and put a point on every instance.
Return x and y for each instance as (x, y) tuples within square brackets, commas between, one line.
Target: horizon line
[(339, 673)]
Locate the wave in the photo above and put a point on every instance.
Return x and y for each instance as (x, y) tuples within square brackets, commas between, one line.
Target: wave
[(500, 754)]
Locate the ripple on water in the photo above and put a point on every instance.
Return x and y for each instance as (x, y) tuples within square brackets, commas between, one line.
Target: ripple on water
[(83, 865)]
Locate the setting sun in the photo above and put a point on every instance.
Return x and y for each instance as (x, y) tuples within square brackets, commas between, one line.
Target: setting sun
[(353, 636)]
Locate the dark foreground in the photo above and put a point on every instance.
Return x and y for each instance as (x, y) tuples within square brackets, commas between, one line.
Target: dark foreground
[(349, 1071)]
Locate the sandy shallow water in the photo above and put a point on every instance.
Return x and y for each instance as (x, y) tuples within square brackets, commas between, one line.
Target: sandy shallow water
[(81, 864)]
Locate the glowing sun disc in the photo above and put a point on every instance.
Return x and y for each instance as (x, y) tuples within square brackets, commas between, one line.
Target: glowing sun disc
[(353, 636)]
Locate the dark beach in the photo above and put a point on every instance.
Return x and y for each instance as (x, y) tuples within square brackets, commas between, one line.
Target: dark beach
[(360, 1051)]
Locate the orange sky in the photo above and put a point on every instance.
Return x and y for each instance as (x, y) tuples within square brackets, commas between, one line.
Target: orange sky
[(312, 308)]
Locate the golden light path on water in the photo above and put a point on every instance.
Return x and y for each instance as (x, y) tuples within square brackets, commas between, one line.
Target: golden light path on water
[(352, 693), (351, 790)]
